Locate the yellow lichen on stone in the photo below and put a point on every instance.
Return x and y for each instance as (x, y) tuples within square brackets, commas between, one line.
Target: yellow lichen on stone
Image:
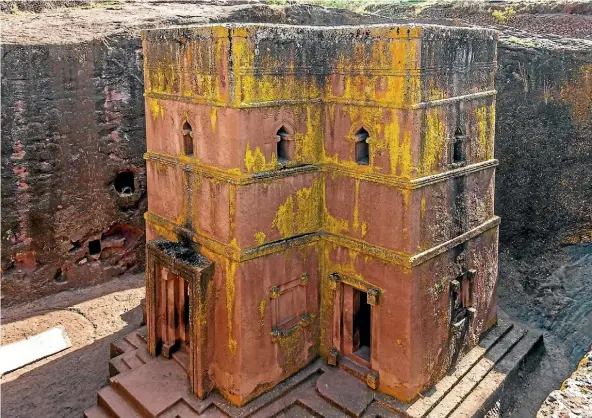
[(232, 208), (284, 218), (196, 184), (262, 304), (156, 108), (164, 232), (423, 207), (356, 222), (302, 217), (482, 134), (336, 267), (254, 159), (433, 142), (214, 118), (331, 223), (290, 347), (364, 228), (267, 86), (309, 144), (578, 94), (308, 208), (230, 296), (260, 238)]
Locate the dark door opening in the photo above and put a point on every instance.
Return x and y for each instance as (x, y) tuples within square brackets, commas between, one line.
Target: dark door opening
[(361, 325)]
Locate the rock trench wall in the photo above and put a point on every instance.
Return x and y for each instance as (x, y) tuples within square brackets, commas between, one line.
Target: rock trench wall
[(72, 130), (543, 143)]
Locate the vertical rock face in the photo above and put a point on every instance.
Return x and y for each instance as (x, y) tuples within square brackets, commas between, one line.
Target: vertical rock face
[(544, 125), (73, 178)]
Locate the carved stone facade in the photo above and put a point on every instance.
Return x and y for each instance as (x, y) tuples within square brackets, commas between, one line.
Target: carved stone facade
[(340, 182)]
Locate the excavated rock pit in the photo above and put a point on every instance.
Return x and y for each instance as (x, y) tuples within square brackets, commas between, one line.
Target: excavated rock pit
[(73, 179)]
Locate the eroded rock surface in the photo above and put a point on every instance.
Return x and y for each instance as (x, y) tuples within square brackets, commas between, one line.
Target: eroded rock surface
[(574, 399), (73, 176)]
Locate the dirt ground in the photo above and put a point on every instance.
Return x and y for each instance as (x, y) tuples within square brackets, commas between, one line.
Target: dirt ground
[(65, 384)]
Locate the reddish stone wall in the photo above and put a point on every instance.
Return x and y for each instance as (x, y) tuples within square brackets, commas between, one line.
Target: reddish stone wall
[(401, 227)]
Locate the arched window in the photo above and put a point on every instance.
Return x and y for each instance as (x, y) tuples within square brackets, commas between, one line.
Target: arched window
[(283, 151), (187, 139), (458, 151), (362, 147)]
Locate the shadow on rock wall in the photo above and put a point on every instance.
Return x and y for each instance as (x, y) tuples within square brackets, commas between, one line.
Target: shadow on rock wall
[(544, 126)]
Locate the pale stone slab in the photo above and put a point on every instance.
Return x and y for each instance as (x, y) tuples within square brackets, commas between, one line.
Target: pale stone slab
[(16, 355)]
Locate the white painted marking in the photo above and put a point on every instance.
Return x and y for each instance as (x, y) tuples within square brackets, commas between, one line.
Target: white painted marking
[(16, 355)]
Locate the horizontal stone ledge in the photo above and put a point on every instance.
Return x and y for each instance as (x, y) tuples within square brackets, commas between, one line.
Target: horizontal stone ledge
[(319, 100), (376, 31), (236, 177), (384, 71), (403, 259)]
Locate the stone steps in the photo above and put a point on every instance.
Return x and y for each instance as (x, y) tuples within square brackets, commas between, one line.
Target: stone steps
[(115, 404), (128, 353), (96, 412), (353, 368), (477, 373), (473, 394), (117, 366), (425, 404), (181, 356), (484, 395), (467, 391)]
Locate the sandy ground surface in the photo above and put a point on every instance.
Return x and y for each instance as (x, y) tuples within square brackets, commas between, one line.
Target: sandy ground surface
[(65, 384)]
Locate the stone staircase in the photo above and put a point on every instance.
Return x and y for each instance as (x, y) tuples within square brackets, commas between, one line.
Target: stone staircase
[(144, 386)]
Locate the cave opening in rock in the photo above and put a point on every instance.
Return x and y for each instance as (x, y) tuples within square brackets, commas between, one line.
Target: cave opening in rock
[(94, 247), (124, 183), (59, 276)]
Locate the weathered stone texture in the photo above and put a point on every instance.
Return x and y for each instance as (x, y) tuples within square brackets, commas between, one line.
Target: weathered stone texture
[(544, 126), (574, 399), (72, 119)]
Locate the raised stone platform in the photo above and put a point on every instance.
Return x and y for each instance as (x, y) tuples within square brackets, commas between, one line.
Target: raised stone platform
[(136, 387)]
